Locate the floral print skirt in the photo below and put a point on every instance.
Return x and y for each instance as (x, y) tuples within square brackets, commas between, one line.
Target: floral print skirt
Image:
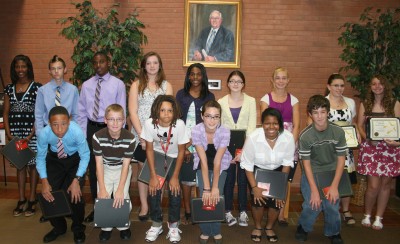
[(378, 159)]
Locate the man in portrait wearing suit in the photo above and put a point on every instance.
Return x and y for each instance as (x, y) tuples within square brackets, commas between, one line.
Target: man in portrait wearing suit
[(215, 44)]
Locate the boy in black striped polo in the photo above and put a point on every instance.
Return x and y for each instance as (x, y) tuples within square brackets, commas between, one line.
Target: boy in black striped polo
[(113, 149)]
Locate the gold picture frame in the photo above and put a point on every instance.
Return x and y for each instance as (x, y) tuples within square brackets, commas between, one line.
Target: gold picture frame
[(379, 129), (351, 136), (224, 49)]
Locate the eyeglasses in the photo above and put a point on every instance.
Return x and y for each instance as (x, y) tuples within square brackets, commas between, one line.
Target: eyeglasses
[(209, 117), (119, 120), (337, 86), (236, 82)]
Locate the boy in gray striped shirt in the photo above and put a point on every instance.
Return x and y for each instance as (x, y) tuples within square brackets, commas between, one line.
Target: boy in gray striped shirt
[(113, 148), (322, 147)]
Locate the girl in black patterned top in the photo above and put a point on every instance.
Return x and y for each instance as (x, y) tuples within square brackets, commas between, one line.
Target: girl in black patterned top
[(19, 119)]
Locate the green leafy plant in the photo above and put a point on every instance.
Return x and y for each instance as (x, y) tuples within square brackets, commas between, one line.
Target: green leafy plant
[(372, 46), (92, 31)]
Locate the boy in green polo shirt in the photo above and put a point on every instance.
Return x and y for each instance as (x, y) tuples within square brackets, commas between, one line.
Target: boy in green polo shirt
[(322, 147)]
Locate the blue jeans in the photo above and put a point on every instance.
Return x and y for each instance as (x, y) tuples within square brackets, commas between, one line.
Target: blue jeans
[(174, 203), (230, 184), (308, 216), (210, 229)]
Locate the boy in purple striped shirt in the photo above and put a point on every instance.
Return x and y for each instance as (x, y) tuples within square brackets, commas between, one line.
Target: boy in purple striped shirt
[(96, 95)]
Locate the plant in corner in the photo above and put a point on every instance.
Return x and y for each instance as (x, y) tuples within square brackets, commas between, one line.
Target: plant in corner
[(372, 46), (92, 31)]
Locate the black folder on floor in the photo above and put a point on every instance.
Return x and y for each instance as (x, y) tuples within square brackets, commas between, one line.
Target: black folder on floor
[(57, 208), (204, 214), (105, 215), (324, 179), (237, 141), (163, 164), (274, 183), (18, 158)]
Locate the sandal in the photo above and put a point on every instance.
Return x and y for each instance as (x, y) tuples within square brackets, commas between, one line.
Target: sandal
[(31, 209), (377, 225), (21, 206), (366, 222), (348, 219), (273, 238), (256, 238)]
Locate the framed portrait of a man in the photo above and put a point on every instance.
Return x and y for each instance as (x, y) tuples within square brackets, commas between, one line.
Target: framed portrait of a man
[(212, 33)]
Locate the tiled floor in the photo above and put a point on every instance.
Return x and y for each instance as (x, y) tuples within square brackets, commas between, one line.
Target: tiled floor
[(29, 230)]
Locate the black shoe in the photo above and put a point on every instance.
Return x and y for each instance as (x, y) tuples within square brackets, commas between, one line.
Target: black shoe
[(104, 235), (301, 235), (90, 217), (52, 235), (336, 239), (144, 218), (125, 234), (43, 219), (79, 237)]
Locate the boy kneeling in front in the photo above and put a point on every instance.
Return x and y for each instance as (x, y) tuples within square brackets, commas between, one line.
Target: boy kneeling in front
[(61, 161), (322, 148)]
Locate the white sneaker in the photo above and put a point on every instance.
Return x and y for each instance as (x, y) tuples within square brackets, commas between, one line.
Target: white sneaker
[(243, 218), (174, 235), (230, 220), (153, 233)]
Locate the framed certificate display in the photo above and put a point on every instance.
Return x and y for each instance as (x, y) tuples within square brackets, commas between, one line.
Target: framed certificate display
[(378, 129), (351, 136)]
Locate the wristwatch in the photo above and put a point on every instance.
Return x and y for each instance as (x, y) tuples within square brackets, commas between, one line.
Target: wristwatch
[(79, 178)]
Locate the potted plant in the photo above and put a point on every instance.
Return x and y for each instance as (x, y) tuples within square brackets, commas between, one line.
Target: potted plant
[(372, 47), (92, 31)]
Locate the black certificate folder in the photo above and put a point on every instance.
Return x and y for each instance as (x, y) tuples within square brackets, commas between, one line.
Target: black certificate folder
[(237, 141), (274, 183), (162, 165), (324, 180), (57, 208), (203, 213), (17, 156), (105, 215)]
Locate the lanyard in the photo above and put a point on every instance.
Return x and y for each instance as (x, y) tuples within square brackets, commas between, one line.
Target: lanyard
[(165, 149)]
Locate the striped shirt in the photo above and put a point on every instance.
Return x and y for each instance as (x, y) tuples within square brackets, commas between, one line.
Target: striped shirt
[(322, 147), (112, 150)]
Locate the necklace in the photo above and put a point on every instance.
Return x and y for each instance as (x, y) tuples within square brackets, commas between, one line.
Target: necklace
[(273, 140), (20, 89), (337, 105)]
